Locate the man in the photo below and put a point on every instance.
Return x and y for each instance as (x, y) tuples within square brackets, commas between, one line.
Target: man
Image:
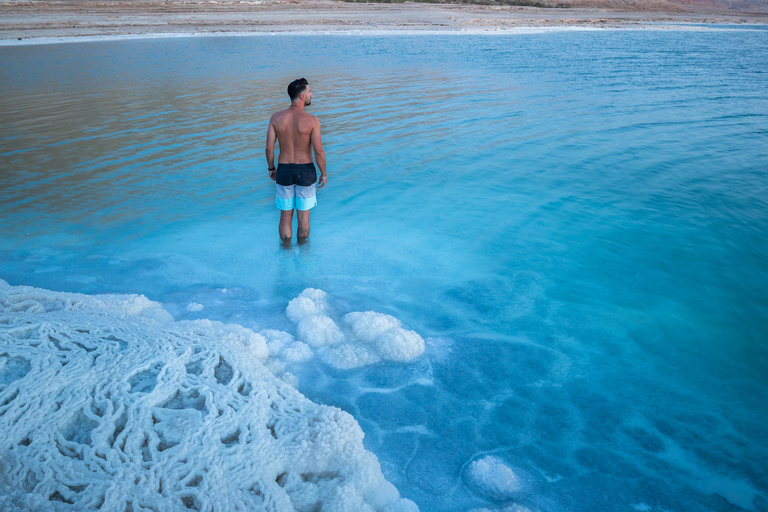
[(297, 133)]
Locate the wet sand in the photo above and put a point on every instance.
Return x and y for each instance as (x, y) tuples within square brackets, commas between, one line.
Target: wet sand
[(24, 20)]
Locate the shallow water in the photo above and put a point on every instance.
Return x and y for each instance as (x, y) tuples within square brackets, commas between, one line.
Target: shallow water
[(574, 221)]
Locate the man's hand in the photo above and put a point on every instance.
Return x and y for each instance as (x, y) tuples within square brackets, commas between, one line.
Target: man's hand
[(273, 174), (321, 181)]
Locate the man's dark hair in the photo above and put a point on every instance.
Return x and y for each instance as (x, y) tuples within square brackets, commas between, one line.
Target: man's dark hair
[(297, 87)]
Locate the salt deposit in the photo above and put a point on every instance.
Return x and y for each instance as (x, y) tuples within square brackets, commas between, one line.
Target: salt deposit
[(363, 338), (107, 403), (194, 307), (493, 479)]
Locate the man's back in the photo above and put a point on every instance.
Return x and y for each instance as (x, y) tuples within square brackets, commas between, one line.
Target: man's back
[(293, 129)]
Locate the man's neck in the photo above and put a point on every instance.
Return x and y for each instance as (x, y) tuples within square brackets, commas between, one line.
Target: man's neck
[(297, 105)]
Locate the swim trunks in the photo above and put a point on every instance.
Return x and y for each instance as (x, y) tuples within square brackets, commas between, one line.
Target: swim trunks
[(296, 186)]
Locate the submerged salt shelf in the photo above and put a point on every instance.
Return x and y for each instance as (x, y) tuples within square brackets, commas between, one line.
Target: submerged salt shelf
[(106, 403)]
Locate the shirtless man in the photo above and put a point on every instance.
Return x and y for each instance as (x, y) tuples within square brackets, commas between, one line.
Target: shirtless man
[(298, 133)]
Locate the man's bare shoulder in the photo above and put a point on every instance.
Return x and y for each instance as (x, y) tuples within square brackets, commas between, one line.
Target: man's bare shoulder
[(310, 119), (278, 115)]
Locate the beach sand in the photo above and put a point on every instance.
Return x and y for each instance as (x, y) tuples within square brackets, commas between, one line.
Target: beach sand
[(20, 21)]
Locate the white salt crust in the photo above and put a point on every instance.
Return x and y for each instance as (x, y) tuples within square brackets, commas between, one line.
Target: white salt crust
[(493, 479), (364, 338), (194, 307), (106, 403)]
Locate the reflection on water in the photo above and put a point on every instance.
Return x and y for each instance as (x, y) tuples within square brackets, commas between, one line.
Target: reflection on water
[(574, 220), (136, 146)]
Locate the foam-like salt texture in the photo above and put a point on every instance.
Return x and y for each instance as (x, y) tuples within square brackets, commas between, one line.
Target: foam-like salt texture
[(311, 302), (194, 307), (107, 404), (364, 337), (492, 478), (318, 331)]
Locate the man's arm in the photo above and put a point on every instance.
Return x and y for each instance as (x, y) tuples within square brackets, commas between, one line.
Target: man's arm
[(270, 151), (317, 145)]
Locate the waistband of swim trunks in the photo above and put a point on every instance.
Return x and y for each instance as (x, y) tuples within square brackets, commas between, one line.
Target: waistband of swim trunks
[(310, 164)]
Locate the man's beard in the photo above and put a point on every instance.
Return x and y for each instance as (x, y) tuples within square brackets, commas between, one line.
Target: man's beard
[(307, 103)]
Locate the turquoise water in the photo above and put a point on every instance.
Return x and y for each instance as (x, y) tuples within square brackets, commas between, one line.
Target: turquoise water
[(574, 221)]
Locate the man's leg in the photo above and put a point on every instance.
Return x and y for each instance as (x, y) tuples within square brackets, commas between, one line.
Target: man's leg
[(286, 231), (303, 233), (285, 201)]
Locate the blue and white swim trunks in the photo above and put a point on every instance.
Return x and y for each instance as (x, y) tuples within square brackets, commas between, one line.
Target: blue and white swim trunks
[(296, 186)]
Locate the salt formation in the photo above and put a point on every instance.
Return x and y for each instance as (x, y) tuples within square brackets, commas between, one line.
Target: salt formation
[(194, 307), (364, 337), (493, 479), (106, 403)]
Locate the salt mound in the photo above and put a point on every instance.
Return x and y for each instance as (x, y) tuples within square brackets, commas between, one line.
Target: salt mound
[(368, 337), (319, 330), (349, 355), (400, 345), (492, 478), (311, 302), (368, 326), (107, 404), (277, 340)]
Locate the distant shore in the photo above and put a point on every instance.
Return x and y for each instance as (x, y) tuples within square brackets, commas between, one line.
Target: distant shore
[(41, 20)]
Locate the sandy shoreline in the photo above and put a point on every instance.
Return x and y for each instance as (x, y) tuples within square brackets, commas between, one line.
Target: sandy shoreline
[(20, 21)]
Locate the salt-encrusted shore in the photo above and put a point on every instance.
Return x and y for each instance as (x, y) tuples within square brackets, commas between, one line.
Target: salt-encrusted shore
[(21, 21), (108, 403)]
